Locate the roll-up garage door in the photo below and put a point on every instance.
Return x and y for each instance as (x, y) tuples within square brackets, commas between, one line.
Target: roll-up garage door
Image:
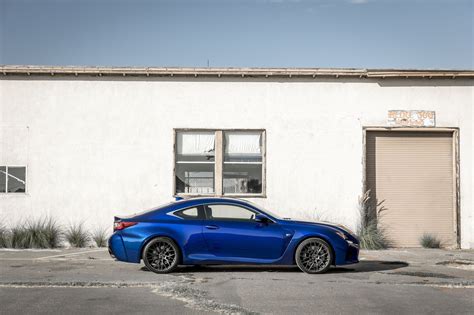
[(412, 172)]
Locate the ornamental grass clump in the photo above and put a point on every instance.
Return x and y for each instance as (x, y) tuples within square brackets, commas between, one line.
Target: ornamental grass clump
[(42, 233), (5, 237), (371, 234), (100, 237), (430, 241), (77, 236)]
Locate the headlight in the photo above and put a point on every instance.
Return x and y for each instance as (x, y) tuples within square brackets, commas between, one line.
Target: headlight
[(342, 235)]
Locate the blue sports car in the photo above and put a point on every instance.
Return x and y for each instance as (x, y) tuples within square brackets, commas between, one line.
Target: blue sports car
[(202, 231)]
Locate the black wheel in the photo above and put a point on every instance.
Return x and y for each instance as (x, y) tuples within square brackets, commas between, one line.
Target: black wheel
[(161, 255), (314, 255)]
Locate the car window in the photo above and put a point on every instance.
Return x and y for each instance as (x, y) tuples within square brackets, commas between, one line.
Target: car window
[(229, 212), (188, 214)]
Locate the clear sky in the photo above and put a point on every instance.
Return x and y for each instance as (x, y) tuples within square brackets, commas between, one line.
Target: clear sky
[(239, 33)]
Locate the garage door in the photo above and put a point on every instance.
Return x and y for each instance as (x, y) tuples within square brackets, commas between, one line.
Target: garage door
[(413, 173)]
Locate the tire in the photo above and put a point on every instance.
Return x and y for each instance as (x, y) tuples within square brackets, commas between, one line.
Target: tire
[(161, 255), (314, 255)]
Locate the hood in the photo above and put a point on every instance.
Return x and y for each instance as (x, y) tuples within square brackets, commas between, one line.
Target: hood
[(324, 223)]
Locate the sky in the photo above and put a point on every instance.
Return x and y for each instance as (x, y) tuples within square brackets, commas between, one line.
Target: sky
[(423, 34)]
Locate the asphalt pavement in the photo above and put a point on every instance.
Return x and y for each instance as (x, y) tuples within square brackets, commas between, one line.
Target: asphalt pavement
[(88, 281)]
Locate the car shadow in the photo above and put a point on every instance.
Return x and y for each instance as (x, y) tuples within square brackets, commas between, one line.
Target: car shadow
[(363, 266)]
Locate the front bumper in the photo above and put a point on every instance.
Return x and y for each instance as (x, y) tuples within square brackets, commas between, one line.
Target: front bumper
[(352, 253)]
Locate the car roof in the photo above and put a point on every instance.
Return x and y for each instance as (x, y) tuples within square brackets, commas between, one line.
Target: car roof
[(202, 200)]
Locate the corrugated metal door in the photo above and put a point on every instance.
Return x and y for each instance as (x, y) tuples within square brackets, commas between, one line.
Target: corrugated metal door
[(413, 173)]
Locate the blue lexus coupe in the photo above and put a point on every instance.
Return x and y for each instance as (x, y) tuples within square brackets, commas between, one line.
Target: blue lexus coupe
[(202, 231)]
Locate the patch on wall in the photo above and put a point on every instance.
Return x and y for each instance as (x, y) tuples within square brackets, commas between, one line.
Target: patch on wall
[(411, 118)]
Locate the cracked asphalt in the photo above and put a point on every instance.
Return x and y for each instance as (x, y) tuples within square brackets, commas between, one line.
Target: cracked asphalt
[(88, 281)]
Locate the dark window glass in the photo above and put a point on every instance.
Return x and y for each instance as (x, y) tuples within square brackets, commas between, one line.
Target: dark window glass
[(16, 179), (242, 178), (195, 178), (3, 179)]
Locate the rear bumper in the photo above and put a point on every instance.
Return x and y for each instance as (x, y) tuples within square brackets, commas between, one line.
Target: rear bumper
[(117, 248)]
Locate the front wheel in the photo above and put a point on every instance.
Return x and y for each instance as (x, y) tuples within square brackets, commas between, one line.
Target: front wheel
[(314, 255), (161, 255)]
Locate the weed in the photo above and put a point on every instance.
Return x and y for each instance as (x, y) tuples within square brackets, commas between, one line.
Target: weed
[(77, 236), (100, 237), (430, 241)]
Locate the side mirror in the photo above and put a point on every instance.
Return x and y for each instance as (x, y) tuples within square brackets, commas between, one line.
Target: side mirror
[(261, 218)]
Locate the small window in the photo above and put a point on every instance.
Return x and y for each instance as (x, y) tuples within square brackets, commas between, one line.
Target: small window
[(12, 179), (188, 214), (229, 213)]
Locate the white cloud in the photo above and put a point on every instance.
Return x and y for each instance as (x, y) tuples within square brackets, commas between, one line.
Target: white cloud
[(359, 1)]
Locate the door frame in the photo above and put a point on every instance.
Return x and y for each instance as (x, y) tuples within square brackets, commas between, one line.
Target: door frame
[(456, 161)]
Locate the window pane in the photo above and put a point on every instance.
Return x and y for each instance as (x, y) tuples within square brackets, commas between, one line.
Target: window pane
[(242, 178), (227, 212), (3, 179), (195, 146), (243, 146), (195, 178), (189, 214), (16, 179)]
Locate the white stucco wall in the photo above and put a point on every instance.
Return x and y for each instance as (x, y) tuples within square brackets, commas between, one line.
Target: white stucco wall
[(101, 147)]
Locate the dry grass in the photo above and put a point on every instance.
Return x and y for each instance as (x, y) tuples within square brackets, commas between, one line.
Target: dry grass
[(370, 233), (42, 233), (430, 241), (5, 237), (100, 237), (77, 236)]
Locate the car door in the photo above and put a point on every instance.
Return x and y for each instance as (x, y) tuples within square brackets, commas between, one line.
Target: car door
[(189, 231), (231, 231)]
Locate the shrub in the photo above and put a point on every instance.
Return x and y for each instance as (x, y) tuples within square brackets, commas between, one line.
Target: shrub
[(52, 232), (77, 236), (370, 233), (43, 233), (430, 241), (100, 237), (5, 237)]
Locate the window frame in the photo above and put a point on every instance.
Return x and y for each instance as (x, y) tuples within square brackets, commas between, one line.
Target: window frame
[(219, 162), (6, 181)]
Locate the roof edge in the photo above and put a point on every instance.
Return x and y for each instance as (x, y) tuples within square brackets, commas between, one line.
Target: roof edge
[(16, 70)]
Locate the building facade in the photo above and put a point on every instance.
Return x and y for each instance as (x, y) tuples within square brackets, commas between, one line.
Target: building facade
[(85, 144)]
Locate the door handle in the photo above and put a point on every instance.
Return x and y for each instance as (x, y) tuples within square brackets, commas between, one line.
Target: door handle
[(212, 227)]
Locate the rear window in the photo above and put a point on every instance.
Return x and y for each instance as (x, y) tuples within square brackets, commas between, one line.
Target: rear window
[(188, 214)]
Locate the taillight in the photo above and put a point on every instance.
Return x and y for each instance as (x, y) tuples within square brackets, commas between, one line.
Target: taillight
[(123, 225)]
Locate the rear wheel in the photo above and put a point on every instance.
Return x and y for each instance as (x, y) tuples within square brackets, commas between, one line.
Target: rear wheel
[(314, 255), (161, 255)]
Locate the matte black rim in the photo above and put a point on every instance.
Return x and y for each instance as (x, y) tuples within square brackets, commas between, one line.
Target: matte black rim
[(315, 256), (161, 256)]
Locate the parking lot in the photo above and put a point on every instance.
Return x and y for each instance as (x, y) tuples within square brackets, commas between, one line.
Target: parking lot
[(89, 281)]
